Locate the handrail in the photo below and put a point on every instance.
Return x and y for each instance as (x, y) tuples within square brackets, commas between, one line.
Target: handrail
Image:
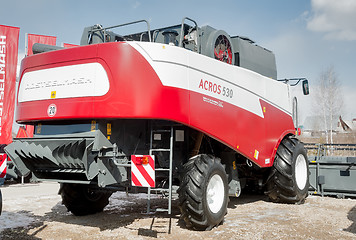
[(125, 24), (153, 34), (181, 37)]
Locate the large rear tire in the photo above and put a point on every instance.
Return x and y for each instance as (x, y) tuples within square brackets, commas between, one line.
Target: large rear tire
[(288, 181), (82, 199), (203, 192)]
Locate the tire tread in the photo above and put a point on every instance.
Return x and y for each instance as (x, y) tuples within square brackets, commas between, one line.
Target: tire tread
[(75, 201), (191, 192), (280, 184)]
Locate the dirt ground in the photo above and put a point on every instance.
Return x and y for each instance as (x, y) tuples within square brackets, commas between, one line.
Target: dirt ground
[(34, 211)]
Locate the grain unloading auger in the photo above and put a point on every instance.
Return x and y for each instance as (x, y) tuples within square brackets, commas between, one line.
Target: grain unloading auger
[(182, 107)]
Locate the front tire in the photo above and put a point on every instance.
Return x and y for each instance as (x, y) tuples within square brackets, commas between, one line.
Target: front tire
[(288, 181), (82, 199), (203, 193)]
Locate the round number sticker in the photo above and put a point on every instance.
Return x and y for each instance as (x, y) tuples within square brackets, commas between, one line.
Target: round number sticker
[(51, 110)]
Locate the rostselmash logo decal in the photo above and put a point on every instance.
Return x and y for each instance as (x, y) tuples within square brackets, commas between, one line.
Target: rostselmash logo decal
[(52, 110), (211, 101)]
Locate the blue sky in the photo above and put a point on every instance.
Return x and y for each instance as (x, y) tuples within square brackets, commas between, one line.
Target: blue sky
[(306, 36)]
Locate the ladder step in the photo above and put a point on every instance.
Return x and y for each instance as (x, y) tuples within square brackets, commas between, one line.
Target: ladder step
[(160, 150), (161, 210), (161, 130), (162, 169), (160, 189)]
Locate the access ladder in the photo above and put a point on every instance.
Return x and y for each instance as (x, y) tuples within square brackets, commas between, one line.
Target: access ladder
[(169, 170)]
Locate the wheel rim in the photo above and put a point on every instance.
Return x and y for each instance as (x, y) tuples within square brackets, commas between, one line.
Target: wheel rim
[(301, 172), (215, 193)]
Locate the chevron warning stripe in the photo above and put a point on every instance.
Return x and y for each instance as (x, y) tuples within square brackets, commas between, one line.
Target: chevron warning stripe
[(143, 170), (3, 158)]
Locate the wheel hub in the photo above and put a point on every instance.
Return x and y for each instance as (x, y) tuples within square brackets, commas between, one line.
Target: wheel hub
[(215, 193), (301, 171)]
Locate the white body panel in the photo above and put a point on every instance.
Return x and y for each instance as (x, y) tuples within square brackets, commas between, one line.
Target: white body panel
[(180, 68)]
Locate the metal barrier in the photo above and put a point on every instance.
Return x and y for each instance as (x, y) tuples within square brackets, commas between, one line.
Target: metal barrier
[(332, 169), (348, 150)]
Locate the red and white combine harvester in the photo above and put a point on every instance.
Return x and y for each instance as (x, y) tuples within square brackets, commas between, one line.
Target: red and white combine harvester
[(183, 109)]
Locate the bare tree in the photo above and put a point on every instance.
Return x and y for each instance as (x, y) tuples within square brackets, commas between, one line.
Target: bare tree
[(328, 101)]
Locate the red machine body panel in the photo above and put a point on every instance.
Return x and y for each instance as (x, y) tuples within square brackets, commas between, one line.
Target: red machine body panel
[(133, 80)]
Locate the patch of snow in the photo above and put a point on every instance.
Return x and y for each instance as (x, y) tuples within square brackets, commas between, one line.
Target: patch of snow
[(14, 220)]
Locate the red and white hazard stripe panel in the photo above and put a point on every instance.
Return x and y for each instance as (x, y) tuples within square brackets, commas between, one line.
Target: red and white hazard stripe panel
[(3, 158), (143, 170)]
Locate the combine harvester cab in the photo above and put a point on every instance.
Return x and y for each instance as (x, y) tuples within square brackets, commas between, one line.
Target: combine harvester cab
[(178, 109)]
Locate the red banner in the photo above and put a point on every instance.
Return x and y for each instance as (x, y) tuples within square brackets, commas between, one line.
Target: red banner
[(9, 39), (68, 45), (34, 38)]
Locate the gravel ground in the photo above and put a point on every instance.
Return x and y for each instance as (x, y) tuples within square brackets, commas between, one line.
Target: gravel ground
[(34, 211)]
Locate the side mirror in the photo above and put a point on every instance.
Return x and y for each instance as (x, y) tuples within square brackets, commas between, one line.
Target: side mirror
[(305, 86)]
